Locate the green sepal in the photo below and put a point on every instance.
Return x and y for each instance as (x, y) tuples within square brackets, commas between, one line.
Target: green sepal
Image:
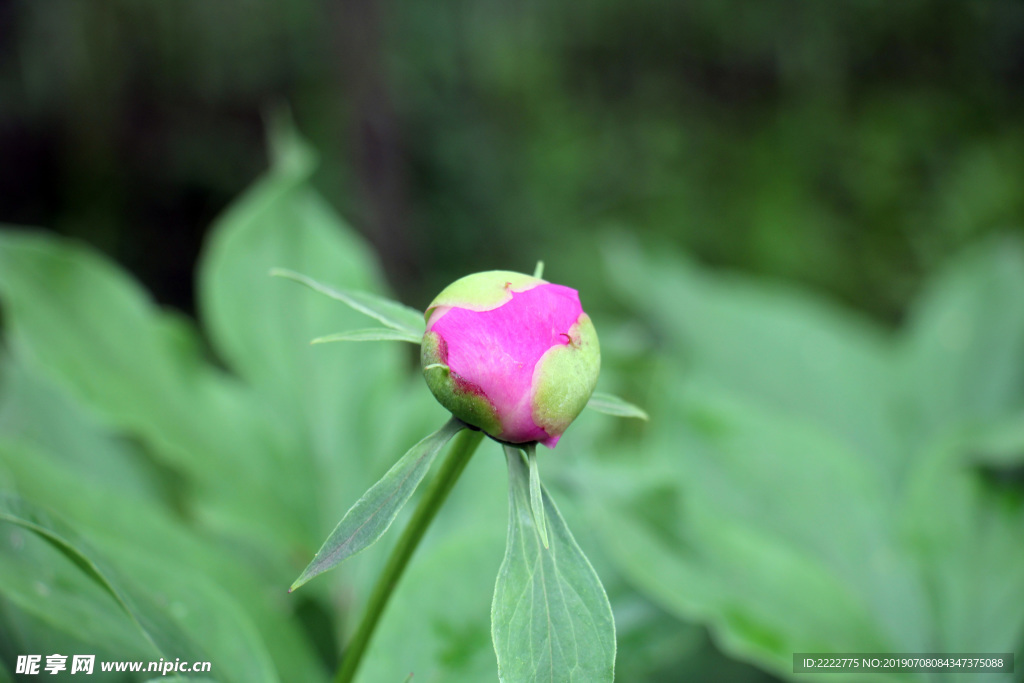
[(483, 291), (565, 378), (463, 399)]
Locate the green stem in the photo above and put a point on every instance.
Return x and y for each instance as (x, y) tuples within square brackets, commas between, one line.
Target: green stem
[(460, 453)]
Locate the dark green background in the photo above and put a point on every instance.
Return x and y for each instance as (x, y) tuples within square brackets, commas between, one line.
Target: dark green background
[(848, 145)]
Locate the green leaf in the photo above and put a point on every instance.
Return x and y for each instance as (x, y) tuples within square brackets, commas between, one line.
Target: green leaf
[(159, 631), (372, 515), (613, 405), (550, 619), (201, 609), (36, 411), (58, 456), (291, 155), (963, 349), (395, 315), (370, 334), (217, 599), (74, 316), (321, 402), (693, 518), (967, 524), (53, 599), (1000, 445), (896, 460), (777, 346)]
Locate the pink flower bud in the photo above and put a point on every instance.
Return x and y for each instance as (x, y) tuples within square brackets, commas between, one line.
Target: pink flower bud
[(511, 354)]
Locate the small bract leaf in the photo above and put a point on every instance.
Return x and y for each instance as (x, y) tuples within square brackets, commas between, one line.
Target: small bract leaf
[(370, 334), (536, 499), (550, 619), (372, 515), (391, 313), (613, 405)]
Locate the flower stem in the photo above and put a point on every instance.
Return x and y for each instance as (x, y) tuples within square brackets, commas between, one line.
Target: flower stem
[(435, 495)]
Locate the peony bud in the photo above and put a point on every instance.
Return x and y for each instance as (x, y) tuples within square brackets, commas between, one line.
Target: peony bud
[(511, 354)]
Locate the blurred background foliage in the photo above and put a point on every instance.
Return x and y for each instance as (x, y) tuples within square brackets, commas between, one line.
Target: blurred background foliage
[(851, 146), (797, 226)]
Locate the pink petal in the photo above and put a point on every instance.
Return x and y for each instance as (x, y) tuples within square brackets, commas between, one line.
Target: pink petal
[(551, 441)]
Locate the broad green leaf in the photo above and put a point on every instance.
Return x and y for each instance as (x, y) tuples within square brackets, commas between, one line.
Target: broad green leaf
[(60, 459), (967, 525), (372, 515), (157, 629), (75, 317), (391, 313), (613, 405), (291, 155), (58, 611), (178, 615), (550, 619), (323, 398), (47, 600), (1001, 445), (370, 334), (343, 411), (695, 520), (775, 397), (36, 411), (211, 618), (964, 345), (779, 347), (75, 314)]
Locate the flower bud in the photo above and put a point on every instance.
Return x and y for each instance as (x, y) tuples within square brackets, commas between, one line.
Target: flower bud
[(511, 354)]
